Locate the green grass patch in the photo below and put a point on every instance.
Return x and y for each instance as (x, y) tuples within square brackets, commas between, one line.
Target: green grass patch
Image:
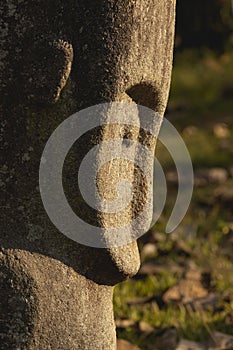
[(201, 98)]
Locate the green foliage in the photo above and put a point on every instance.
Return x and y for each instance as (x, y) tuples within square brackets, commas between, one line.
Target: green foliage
[(201, 84)]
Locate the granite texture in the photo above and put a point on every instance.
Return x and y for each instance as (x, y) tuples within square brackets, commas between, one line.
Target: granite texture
[(56, 58)]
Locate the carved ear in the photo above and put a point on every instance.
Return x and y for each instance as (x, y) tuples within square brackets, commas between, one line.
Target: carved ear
[(46, 68)]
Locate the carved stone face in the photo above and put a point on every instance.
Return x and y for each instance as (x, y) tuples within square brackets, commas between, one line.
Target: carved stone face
[(57, 58)]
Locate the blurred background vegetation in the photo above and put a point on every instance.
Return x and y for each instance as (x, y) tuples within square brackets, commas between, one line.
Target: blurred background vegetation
[(184, 289), (204, 24), (203, 67)]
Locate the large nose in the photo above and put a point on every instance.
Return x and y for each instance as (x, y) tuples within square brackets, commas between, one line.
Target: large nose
[(107, 178), (124, 53), (124, 182)]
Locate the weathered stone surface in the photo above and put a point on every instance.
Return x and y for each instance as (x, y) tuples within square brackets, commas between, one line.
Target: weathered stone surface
[(57, 58)]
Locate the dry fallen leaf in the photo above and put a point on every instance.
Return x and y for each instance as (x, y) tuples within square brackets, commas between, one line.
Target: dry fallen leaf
[(125, 345), (220, 341), (145, 327), (190, 345), (221, 131), (124, 323), (185, 291)]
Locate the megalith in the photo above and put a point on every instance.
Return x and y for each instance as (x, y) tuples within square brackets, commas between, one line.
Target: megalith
[(58, 58)]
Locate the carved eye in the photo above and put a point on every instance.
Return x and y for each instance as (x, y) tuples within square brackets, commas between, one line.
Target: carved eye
[(47, 69)]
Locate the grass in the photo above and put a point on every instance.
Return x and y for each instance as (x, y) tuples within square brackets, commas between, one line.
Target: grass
[(202, 83), (201, 99)]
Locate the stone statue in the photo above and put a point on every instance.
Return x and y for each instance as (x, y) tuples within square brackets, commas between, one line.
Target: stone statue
[(57, 58)]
